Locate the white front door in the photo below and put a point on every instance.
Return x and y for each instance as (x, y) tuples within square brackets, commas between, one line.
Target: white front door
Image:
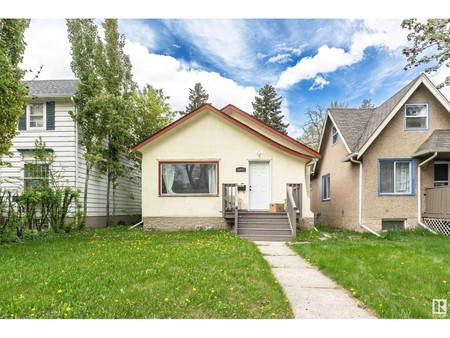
[(259, 185)]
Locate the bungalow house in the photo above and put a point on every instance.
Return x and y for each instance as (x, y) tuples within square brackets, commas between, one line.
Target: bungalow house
[(386, 167), (219, 168), (47, 116)]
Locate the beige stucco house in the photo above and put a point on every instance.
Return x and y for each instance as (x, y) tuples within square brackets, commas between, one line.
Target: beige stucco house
[(219, 168), (386, 167)]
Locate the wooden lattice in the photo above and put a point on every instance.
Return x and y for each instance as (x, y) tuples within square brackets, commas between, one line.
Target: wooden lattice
[(438, 225)]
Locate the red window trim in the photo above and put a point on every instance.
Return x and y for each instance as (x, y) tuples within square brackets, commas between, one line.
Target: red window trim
[(160, 194)]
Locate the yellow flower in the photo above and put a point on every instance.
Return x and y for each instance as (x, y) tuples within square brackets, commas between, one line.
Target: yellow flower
[(166, 299), (351, 289), (354, 292), (62, 271), (12, 315), (46, 283), (194, 289), (212, 290), (357, 302), (187, 300), (273, 313), (33, 309), (22, 297), (381, 305), (32, 314), (68, 309), (241, 303), (231, 289), (287, 301), (276, 282), (59, 291), (116, 300), (204, 277), (444, 281)]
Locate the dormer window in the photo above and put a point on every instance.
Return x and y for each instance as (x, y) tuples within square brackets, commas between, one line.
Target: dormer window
[(334, 135), (417, 116)]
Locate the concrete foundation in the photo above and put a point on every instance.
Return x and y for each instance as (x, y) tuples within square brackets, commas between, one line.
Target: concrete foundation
[(184, 223)]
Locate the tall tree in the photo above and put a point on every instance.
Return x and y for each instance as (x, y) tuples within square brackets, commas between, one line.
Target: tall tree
[(115, 107), (86, 60), (12, 91), (197, 97), (312, 129), (152, 112), (432, 36), (267, 108), (336, 104), (367, 103)]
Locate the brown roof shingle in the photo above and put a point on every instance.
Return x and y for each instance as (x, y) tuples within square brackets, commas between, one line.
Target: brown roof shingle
[(439, 141)]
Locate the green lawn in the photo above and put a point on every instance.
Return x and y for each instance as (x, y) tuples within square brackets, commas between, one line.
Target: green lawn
[(115, 273), (397, 276)]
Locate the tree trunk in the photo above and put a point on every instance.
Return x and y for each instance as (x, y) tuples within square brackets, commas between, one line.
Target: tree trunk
[(108, 189), (86, 185)]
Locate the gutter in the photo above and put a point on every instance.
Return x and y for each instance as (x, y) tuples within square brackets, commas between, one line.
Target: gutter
[(360, 195), (419, 199)]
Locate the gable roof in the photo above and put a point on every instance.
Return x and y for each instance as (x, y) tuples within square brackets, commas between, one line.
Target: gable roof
[(227, 117), (271, 129), (359, 127), (52, 88), (438, 141)]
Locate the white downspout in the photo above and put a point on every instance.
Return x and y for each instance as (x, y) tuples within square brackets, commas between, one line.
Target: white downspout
[(419, 195), (360, 198), (76, 146)]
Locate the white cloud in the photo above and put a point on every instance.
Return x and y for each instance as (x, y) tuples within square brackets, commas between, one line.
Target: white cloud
[(138, 31), (439, 77), (48, 45), (319, 83), (326, 60), (280, 58), (377, 33), (260, 56)]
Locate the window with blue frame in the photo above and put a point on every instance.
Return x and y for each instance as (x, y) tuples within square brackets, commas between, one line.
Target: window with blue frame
[(396, 177), (417, 116), (326, 187)]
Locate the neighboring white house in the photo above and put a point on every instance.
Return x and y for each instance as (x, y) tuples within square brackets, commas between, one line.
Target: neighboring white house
[(193, 169), (46, 116)]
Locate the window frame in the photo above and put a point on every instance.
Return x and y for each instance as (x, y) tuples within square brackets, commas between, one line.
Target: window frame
[(411, 174), (448, 169), (26, 179), (160, 194), (405, 117), (323, 187), (332, 135), (44, 116)]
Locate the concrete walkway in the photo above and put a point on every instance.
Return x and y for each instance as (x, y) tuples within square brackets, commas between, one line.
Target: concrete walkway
[(311, 294)]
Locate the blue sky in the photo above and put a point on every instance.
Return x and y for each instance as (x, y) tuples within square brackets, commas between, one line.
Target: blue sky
[(309, 61)]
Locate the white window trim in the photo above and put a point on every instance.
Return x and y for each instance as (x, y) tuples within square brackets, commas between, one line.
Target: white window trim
[(448, 168), (334, 133), (409, 192), (44, 111), (411, 117)]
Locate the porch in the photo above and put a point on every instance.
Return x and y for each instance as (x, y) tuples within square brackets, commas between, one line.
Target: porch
[(263, 225)]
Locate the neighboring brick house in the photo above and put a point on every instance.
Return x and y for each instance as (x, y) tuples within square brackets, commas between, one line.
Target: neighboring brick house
[(384, 149)]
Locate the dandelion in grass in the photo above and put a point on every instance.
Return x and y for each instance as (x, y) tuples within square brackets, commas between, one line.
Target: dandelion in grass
[(444, 281), (212, 291), (12, 315), (21, 297), (32, 315), (357, 302), (116, 301), (166, 299), (354, 292), (68, 309), (194, 289), (59, 291), (381, 305)]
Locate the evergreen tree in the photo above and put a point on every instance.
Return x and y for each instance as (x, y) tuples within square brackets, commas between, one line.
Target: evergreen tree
[(367, 103), (197, 98), (12, 90), (267, 108)]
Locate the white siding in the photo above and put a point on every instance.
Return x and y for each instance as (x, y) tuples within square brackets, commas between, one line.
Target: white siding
[(63, 142)]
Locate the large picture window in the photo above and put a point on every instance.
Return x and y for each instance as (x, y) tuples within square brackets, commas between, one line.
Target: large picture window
[(416, 116), (188, 178), (396, 177)]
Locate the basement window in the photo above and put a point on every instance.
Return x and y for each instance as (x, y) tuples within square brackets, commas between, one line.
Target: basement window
[(393, 224)]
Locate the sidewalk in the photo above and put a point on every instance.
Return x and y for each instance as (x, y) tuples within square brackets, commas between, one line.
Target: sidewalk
[(311, 294)]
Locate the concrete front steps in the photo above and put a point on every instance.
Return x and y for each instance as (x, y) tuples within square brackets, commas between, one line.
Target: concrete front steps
[(264, 226)]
